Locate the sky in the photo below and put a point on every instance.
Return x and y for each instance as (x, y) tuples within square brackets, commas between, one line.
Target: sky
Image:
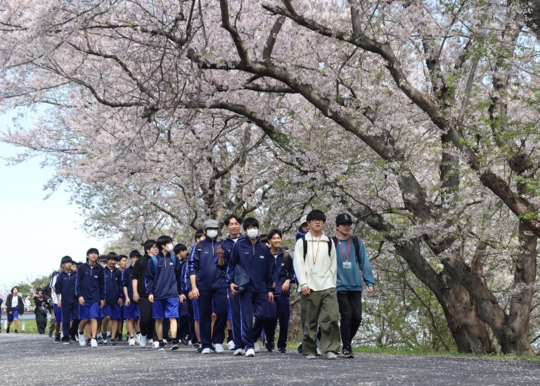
[(35, 233)]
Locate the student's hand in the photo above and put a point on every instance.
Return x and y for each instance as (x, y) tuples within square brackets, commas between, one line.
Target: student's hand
[(120, 302), (233, 289), (369, 290), (181, 298), (102, 303), (81, 300), (59, 303), (306, 290), (136, 296), (270, 297), (220, 252), (274, 285), (128, 302), (151, 298), (285, 286), (195, 292)]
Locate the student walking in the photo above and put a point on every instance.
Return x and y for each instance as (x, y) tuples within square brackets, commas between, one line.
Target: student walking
[(209, 287), (64, 288), (315, 266), (114, 296), (353, 268), (255, 260), (14, 308), (40, 311), (131, 308)]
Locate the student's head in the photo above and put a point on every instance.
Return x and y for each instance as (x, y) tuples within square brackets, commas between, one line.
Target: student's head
[(210, 228), (343, 224), (251, 227), (274, 238), (66, 263), (112, 259), (264, 239), (199, 235), (122, 261), (15, 290), (150, 247), (92, 255), (233, 222), (304, 226), (164, 244), (180, 250), (316, 219), (134, 255), (39, 291), (75, 266)]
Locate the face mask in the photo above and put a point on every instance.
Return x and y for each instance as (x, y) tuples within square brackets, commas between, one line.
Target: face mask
[(170, 247), (252, 233), (211, 233)]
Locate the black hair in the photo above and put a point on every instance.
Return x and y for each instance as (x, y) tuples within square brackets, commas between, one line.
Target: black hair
[(121, 257), (101, 258), (179, 248), (135, 253), (147, 245), (162, 241), (230, 217), (249, 222), (13, 289), (198, 233), (316, 215), (112, 256), (263, 238), (92, 250), (274, 232)]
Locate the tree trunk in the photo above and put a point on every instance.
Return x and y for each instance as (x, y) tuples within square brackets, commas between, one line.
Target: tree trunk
[(470, 332)]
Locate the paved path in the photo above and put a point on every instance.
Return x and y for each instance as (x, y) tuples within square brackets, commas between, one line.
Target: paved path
[(35, 360)]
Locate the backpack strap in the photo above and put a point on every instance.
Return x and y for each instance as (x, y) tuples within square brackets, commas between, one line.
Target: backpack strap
[(286, 262), (356, 244), (154, 263), (304, 241)]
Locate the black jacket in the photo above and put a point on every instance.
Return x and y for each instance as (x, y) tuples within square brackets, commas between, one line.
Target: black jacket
[(20, 306)]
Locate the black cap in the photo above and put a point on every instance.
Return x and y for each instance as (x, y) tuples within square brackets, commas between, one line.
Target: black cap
[(343, 218)]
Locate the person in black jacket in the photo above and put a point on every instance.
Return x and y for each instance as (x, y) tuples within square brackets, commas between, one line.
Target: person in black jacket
[(139, 292), (15, 307), (41, 311)]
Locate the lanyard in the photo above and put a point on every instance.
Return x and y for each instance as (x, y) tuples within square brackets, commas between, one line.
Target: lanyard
[(345, 255), (314, 258)]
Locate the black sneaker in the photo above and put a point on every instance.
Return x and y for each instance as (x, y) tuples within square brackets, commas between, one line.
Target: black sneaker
[(161, 346), (195, 345), (7, 330), (16, 332), (300, 349), (119, 338), (57, 338), (347, 352), (182, 339), (269, 346), (199, 349), (174, 344), (282, 350)]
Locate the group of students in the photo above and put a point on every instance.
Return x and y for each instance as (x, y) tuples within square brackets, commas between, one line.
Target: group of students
[(231, 291)]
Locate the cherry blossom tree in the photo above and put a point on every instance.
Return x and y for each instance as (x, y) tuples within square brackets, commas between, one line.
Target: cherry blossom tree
[(418, 117)]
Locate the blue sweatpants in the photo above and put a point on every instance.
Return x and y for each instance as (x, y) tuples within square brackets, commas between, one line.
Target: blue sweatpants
[(217, 298), (252, 304)]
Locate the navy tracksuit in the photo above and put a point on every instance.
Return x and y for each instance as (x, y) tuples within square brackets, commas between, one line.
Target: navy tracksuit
[(65, 287), (257, 262), (90, 283), (281, 308), (234, 301), (212, 288)]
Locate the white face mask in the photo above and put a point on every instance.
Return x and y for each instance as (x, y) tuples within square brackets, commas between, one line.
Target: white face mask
[(170, 247), (252, 233), (211, 233)]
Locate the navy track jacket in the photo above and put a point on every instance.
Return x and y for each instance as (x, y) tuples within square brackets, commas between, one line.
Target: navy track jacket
[(256, 261), (202, 263), (65, 286), (90, 283), (113, 285), (163, 282)]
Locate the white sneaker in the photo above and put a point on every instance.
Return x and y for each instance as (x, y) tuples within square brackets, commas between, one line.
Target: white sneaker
[(93, 343), (238, 351), (155, 345), (319, 352), (206, 351), (256, 347), (137, 338), (164, 341), (250, 353), (82, 341), (142, 341), (331, 355), (230, 345), (219, 348), (132, 342)]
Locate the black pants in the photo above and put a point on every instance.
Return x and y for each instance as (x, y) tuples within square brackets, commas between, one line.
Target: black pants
[(350, 311), (41, 321), (146, 321)]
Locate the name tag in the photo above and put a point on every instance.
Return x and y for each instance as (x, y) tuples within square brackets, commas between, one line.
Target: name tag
[(262, 257), (170, 263), (347, 265), (312, 269)]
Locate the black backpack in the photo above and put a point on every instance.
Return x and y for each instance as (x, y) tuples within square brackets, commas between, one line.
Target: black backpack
[(304, 243)]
